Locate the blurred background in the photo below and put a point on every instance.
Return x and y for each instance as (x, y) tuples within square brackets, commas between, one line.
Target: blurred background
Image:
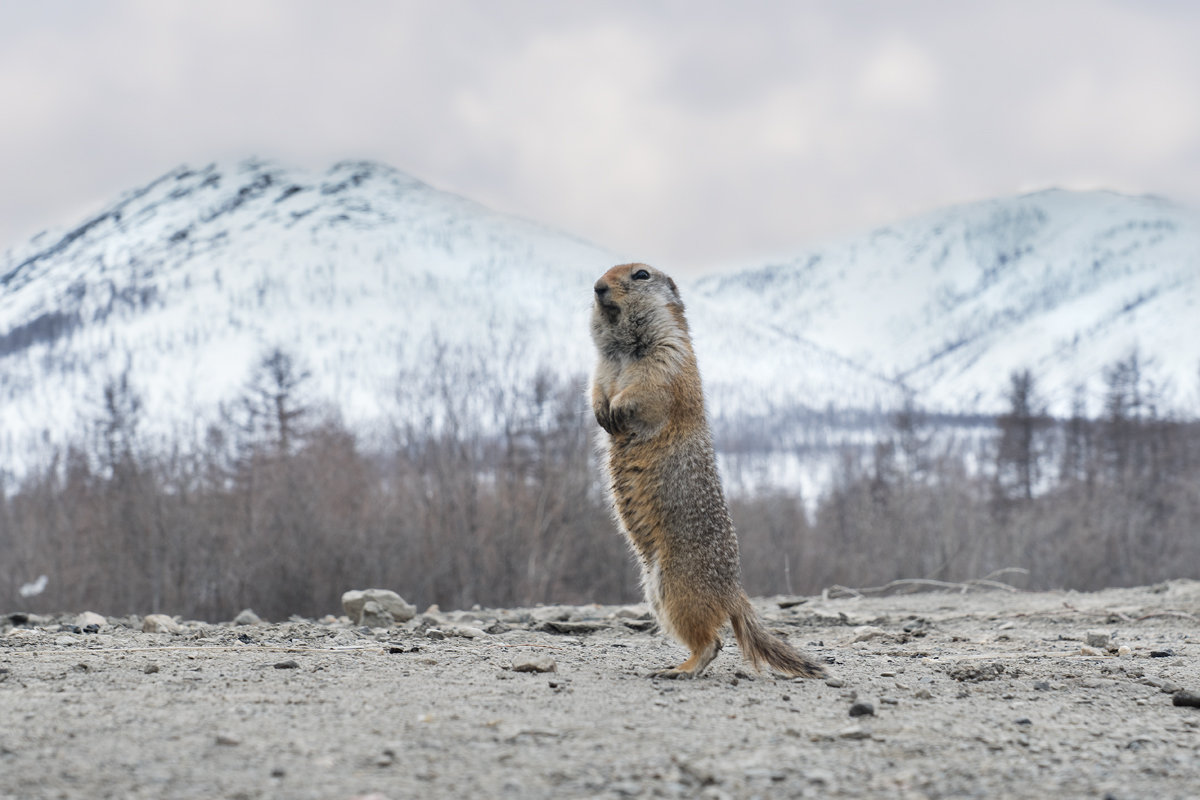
[(294, 295)]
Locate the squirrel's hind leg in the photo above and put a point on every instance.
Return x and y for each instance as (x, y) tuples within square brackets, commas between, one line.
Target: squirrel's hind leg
[(696, 663)]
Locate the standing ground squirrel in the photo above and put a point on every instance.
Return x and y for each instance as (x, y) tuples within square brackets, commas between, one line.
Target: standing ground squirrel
[(667, 494)]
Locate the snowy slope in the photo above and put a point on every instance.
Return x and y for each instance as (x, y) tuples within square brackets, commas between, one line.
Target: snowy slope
[(188, 279), (1058, 282)]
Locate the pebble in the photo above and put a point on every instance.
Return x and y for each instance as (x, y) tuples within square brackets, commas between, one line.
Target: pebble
[(247, 617), (160, 623), (467, 632), (865, 633), (1185, 698), (291, 663), (374, 615), (225, 740), (854, 732), (1099, 639), (836, 683), (90, 618), (354, 603), (531, 662), (434, 633), (1088, 650), (862, 709), (150, 669)]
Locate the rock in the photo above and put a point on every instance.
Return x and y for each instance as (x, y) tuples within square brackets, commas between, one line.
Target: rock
[(355, 600), (531, 662), (1097, 639), (291, 663), (1124, 651), (467, 632), (1185, 698), (226, 740), (976, 672), (150, 669), (865, 633), (374, 615), (555, 626), (862, 709), (90, 618), (836, 683), (160, 623), (434, 633), (854, 732), (247, 617), (923, 694), (1088, 650)]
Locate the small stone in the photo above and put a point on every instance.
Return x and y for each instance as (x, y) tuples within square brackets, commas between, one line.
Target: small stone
[(1088, 650), (530, 662), (434, 633), (226, 740), (355, 600), (865, 633), (291, 663), (923, 694), (1185, 698), (854, 732), (160, 623), (467, 632), (1124, 651), (1161, 653), (373, 615), (90, 618), (150, 669), (1041, 686), (862, 709), (247, 617), (836, 683), (1097, 639)]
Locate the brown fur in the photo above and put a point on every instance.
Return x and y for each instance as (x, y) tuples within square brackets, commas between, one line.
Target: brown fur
[(646, 395)]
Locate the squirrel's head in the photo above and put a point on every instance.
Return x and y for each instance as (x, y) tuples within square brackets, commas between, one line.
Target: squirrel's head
[(636, 304)]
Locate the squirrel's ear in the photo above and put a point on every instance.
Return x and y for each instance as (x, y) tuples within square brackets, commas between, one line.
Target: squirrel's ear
[(674, 289)]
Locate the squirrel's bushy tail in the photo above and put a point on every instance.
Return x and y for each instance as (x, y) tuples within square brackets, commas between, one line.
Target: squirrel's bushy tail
[(759, 646)]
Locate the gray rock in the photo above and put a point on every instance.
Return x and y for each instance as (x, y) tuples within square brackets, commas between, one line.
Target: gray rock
[(374, 615), (1098, 639), (160, 623), (247, 617), (90, 618), (862, 709), (434, 633), (530, 662), (1184, 698), (354, 603)]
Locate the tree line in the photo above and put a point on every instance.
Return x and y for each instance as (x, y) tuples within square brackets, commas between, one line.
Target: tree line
[(484, 489)]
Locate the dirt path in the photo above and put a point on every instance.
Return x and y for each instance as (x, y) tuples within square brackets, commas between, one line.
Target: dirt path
[(973, 695)]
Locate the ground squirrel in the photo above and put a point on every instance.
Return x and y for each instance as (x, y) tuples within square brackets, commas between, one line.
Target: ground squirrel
[(666, 492)]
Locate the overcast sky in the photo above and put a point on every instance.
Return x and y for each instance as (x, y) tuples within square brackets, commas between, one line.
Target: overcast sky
[(688, 134)]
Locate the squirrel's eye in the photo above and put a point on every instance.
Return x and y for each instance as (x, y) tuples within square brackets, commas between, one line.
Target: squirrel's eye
[(641, 275)]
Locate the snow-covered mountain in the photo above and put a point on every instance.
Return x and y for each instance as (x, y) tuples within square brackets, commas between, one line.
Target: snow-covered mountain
[(363, 272), (1062, 283)]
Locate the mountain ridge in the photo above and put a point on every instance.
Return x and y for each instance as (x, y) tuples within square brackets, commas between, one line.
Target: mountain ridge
[(365, 271)]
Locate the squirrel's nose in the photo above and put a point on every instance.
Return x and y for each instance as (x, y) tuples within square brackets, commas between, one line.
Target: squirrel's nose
[(601, 288)]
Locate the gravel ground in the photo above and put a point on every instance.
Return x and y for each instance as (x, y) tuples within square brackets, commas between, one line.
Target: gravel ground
[(994, 694)]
